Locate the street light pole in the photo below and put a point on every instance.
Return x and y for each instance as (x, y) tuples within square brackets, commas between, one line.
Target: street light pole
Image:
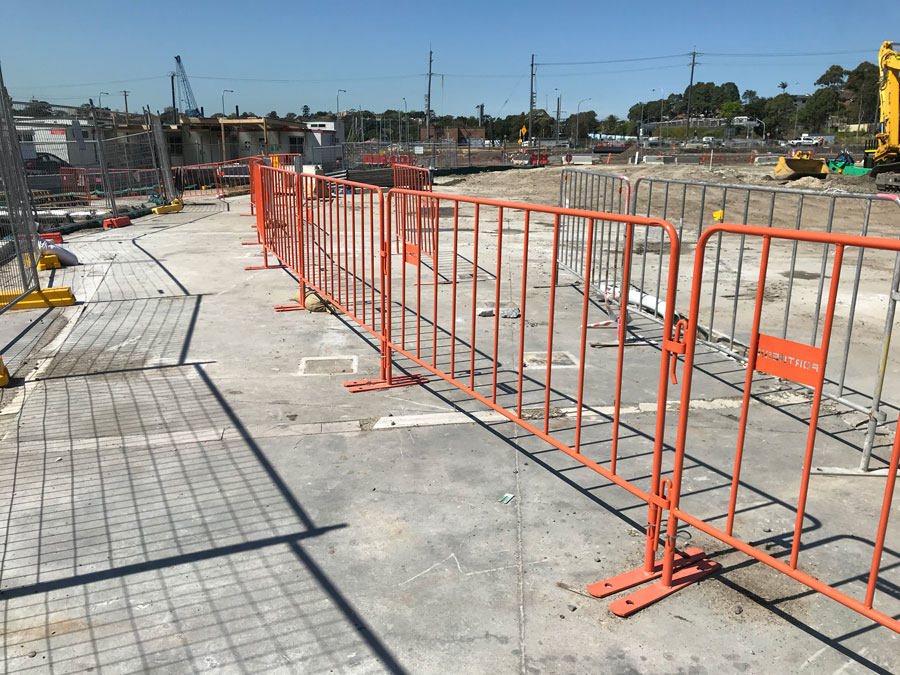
[(405, 115), (338, 109), (100, 98), (224, 91), (578, 117)]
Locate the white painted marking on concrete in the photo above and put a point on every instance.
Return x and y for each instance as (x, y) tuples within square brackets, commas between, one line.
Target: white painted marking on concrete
[(445, 418), (354, 364)]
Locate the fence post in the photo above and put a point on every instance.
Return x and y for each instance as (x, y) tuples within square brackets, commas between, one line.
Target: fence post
[(162, 151), (108, 188)]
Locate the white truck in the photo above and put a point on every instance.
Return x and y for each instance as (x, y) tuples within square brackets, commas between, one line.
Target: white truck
[(805, 140)]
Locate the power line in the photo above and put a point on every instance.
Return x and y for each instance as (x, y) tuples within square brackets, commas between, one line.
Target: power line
[(86, 84), (307, 81), (779, 54), (591, 63)]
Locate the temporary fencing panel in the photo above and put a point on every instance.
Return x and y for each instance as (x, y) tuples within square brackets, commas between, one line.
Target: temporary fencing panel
[(446, 330), (606, 193), (18, 230), (331, 234), (803, 362)]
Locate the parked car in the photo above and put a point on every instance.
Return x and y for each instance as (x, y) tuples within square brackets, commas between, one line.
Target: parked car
[(805, 140), (45, 163)]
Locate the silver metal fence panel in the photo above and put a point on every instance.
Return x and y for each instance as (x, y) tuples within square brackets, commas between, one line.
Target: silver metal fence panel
[(605, 193), (694, 205), (18, 230)]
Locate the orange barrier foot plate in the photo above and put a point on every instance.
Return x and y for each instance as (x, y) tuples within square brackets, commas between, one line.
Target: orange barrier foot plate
[(373, 385), (640, 576), (685, 576)]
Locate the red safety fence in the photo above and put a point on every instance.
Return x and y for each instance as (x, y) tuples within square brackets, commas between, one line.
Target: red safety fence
[(87, 182), (723, 158), (378, 159), (221, 179), (798, 362), (441, 316)]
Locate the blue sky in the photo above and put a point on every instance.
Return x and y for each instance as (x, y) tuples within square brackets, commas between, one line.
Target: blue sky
[(378, 52)]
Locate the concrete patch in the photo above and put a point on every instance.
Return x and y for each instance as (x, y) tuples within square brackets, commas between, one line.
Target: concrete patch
[(558, 360)]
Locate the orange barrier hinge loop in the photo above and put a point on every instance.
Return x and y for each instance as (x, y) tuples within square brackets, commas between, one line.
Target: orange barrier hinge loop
[(676, 346)]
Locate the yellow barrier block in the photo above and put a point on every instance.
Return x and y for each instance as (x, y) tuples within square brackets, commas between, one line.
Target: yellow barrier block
[(47, 297), (4, 373), (176, 206), (48, 261)]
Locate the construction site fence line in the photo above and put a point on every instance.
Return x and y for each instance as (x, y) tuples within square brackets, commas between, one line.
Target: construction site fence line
[(364, 252)]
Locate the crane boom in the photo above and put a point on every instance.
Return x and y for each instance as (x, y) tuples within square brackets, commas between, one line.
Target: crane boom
[(191, 108)]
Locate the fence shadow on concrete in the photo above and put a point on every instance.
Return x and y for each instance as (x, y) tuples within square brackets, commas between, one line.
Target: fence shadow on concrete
[(143, 527)]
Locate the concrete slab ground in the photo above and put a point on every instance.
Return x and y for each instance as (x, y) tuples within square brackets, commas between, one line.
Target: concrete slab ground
[(179, 493)]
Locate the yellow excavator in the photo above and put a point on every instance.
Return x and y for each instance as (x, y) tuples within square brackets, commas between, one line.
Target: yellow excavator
[(886, 158)]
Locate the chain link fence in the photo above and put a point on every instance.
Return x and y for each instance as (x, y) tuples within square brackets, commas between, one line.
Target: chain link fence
[(18, 231), (83, 164)]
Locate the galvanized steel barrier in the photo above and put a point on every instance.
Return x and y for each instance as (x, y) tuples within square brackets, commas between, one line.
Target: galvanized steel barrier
[(336, 236), (18, 230), (696, 205)]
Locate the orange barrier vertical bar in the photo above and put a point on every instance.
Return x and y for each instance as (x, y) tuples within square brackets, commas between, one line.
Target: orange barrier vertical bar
[(748, 382), (579, 402), (816, 404), (553, 278)]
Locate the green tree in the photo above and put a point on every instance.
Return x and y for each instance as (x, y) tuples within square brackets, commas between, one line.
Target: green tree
[(749, 96), (862, 87), (290, 117), (273, 115), (833, 77), (609, 125), (729, 110), (783, 86), (779, 114), (304, 112), (820, 106)]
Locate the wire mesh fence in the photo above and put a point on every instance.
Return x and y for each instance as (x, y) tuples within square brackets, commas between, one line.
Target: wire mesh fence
[(84, 164), (435, 155), (18, 232)]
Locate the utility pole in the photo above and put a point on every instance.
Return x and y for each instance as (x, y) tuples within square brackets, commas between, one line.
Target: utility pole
[(126, 92), (687, 129), (428, 101), (558, 103), (530, 100)]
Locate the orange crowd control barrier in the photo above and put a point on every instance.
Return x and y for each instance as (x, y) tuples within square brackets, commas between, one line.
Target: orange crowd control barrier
[(413, 212), (338, 238), (798, 362)]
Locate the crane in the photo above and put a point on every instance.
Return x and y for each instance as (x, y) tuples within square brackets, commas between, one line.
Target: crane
[(886, 169), (191, 108)]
